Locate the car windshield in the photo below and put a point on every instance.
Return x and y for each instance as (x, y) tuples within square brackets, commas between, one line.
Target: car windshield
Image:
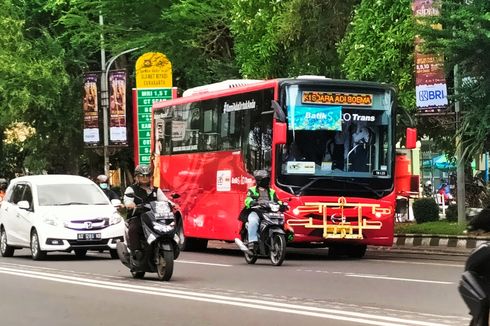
[(70, 194)]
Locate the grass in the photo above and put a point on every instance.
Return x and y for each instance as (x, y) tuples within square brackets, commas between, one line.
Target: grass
[(438, 227)]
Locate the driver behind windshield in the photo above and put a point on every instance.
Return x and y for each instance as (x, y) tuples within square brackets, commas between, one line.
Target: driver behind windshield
[(256, 195)]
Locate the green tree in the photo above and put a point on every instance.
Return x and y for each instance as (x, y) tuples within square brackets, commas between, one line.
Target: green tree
[(289, 38), (465, 40), (379, 47)]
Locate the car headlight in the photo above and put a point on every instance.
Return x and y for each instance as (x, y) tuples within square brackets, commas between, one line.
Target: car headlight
[(115, 218), (51, 220)]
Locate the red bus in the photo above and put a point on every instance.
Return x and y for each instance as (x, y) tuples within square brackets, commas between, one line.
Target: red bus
[(328, 144)]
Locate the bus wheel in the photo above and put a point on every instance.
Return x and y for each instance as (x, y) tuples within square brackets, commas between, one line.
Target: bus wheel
[(190, 244), (356, 251)]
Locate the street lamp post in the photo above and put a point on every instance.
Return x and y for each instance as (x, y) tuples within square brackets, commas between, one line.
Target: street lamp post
[(104, 97)]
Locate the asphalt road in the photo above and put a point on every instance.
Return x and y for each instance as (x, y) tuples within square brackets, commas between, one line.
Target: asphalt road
[(217, 287)]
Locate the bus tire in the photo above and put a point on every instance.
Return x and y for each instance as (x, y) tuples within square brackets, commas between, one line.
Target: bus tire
[(189, 244)]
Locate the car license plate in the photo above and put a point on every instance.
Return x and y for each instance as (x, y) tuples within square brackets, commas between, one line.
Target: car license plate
[(88, 236)]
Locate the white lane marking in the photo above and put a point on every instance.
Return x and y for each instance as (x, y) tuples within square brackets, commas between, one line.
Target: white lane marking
[(381, 277), (325, 313), (414, 263), (375, 276), (201, 263)]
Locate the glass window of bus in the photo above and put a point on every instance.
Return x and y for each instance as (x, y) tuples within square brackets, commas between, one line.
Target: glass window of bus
[(184, 131), (328, 140), (230, 135), (209, 141), (258, 128)]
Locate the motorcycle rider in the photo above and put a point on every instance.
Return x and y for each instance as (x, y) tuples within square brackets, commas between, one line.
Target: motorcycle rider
[(256, 194), (141, 192), (3, 188), (102, 181)]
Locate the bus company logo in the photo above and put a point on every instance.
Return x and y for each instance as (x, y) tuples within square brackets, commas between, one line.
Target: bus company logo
[(357, 117), (337, 98), (239, 106), (431, 95)]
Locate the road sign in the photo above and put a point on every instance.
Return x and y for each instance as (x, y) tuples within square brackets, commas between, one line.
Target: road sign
[(144, 99)]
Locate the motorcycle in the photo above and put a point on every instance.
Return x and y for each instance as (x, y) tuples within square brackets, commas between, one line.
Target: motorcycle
[(271, 234), (160, 248), (475, 285)]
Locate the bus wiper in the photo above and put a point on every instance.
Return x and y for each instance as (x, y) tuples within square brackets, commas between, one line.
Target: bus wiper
[(71, 203), (364, 185), (312, 181)]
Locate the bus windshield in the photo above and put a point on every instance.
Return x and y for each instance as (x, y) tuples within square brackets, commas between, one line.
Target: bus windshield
[(337, 134)]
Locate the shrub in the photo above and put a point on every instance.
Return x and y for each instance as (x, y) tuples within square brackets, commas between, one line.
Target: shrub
[(452, 213), (425, 210)]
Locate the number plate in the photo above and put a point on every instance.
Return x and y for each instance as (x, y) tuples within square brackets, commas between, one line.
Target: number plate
[(88, 236)]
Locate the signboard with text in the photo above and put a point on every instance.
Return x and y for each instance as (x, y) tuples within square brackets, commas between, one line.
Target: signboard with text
[(143, 100)]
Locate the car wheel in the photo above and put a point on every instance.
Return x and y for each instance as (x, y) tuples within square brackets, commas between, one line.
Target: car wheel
[(5, 249), (80, 253), (36, 252), (114, 254)]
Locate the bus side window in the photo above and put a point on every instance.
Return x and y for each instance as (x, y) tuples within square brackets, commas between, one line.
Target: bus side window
[(209, 136)]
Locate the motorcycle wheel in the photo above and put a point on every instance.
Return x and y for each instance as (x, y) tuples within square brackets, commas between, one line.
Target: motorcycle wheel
[(278, 249), (165, 265), (250, 259), (138, 275)]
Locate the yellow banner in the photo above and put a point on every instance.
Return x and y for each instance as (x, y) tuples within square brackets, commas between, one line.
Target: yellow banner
[(153, 70)]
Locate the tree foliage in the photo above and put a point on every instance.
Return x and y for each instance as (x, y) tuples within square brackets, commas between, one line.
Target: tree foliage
[(465, 40), (379, 46), (289, 38)]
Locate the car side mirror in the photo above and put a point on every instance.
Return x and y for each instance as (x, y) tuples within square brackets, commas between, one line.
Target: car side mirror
[(116, 202), (24, 204)]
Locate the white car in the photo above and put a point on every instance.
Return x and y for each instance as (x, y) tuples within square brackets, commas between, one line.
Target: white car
[(58, 213)]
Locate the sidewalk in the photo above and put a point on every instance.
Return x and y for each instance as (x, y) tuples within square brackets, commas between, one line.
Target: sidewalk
[(460, 244)]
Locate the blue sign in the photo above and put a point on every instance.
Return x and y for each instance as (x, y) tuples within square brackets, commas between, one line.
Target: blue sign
[(309, 117)]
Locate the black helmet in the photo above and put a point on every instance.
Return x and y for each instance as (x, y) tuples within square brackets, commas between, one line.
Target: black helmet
[(142, 169), (262, 178)]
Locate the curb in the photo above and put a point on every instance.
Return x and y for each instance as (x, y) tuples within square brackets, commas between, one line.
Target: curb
[(431, 241)]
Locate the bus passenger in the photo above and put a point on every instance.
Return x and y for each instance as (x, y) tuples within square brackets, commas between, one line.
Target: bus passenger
[(255, 195)]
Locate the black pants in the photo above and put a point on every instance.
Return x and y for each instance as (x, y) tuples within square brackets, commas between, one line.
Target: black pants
[(135, 234)]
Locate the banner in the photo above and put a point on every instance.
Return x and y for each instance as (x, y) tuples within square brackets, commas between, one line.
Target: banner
[(430, 81), (90, 109), (117, 107)]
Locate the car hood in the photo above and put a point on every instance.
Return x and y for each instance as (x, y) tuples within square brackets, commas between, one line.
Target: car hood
[(77, 212)]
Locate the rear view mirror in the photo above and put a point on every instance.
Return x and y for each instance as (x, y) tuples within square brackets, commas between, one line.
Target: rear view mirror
[(115, 202), (411, 138), (279, 133), (24, 204)]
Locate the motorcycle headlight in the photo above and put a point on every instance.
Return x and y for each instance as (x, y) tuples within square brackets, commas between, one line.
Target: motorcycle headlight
[(115, 218), (51, 220), (162, 228), (274, 207)]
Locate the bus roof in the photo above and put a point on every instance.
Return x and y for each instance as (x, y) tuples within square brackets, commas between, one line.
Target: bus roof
[(238, 86), (231, 83)]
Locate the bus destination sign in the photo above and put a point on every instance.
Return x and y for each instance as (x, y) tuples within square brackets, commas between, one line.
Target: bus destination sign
[(333, 98)]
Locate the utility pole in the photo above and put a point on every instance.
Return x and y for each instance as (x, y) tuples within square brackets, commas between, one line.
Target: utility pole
[(104, 94), (460, 197)]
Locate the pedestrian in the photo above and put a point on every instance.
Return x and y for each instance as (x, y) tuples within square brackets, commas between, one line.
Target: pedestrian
[(3, 188)]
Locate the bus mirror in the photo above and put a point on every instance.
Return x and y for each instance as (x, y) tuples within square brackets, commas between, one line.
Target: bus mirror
[(411, 138), (279, 133), (278, 112)]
